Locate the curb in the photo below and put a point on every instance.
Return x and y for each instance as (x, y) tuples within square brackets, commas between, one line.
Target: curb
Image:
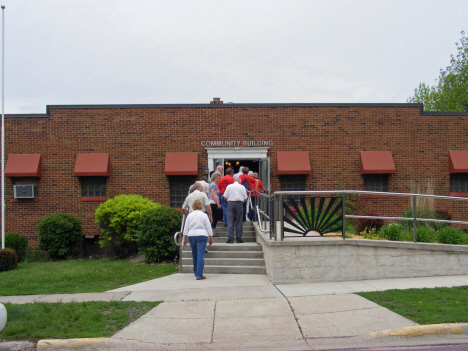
[(69, 343), (86, 344), (430, 329)]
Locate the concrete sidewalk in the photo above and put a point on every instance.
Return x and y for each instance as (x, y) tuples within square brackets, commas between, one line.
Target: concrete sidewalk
[(249, 312), (184, 287)]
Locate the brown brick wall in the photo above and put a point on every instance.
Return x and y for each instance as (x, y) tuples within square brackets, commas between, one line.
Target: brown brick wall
[(138, 138)]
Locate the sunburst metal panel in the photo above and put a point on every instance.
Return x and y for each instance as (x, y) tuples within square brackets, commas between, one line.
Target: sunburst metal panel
[(303, 218)]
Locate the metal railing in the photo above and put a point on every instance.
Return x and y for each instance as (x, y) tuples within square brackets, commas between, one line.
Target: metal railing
[(178, 239), (272, 209), (263, 213)]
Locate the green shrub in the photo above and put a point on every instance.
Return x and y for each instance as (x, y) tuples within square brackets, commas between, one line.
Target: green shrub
[(8, 259), (451, 235), (423, 212), (370, 234), (155, 233), (60, 235), (393, 232), (118, 219), (17, 242), (425, 235)]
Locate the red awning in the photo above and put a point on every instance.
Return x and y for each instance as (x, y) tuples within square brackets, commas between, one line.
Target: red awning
[(458, 162), (23, 166), (181, 163), (293, 162), (92, 165), (377, 162)]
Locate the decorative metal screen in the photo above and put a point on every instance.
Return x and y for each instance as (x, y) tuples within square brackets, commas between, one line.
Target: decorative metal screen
[(178, 189), (309, 215), (459, 183), (376, 182), (93, 186)]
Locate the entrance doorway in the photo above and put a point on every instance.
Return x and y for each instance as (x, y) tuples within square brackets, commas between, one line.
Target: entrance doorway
[(236, 164), (255, 158)]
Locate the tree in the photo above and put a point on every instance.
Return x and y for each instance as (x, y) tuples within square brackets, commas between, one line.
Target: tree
[(451, 90)]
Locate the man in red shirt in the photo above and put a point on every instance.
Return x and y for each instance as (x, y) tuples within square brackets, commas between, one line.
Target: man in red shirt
[(247, 181), (222, 185)]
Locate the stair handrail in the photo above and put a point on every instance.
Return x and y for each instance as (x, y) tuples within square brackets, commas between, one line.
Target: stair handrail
[(261, 213), (180, 243), (180, 232)]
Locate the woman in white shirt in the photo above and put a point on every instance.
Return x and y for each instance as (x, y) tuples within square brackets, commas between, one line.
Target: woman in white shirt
[(198, 229)]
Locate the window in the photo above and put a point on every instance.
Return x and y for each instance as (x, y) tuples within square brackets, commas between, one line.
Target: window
[(178, 189), (458, 169), (93, 186), (459, 183), (293, 183), (24, 170), (376, 182), (376, 166)]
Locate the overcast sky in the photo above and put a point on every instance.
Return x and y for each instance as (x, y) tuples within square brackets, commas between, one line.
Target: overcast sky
[(159, 52)]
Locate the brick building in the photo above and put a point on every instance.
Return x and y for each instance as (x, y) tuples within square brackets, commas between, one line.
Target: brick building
[(72, 158)]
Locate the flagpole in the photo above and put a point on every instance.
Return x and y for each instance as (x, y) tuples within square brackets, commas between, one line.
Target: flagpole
[(3, 126)]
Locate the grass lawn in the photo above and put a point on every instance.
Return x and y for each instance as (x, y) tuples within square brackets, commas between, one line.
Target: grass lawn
[(77, 276), (425, 306), (71, 320)]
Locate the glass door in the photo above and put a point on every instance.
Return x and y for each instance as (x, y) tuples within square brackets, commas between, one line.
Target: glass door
[(264, 173), (218, 162)]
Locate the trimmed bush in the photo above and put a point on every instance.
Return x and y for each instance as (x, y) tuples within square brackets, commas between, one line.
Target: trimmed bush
[(118, 219), (8, 259), (17, 242), (451, 235), (362, 224), (60, 235), (155, 233), (393, 232)]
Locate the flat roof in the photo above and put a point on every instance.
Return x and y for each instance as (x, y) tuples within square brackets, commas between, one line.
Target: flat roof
[(234, 105)]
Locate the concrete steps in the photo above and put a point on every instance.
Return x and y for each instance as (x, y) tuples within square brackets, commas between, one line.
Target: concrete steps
[(216, 252), (223, 258), (245, 238), (254, 262)]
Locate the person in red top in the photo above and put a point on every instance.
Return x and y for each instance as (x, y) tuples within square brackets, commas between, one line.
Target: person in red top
[(248, 182), (222, 185), (257, 187)]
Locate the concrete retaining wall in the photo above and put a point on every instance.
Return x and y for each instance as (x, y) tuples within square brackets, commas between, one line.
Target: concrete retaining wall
[(327, 260)]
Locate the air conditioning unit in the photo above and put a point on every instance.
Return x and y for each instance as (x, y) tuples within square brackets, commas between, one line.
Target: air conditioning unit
[(24, 191)]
